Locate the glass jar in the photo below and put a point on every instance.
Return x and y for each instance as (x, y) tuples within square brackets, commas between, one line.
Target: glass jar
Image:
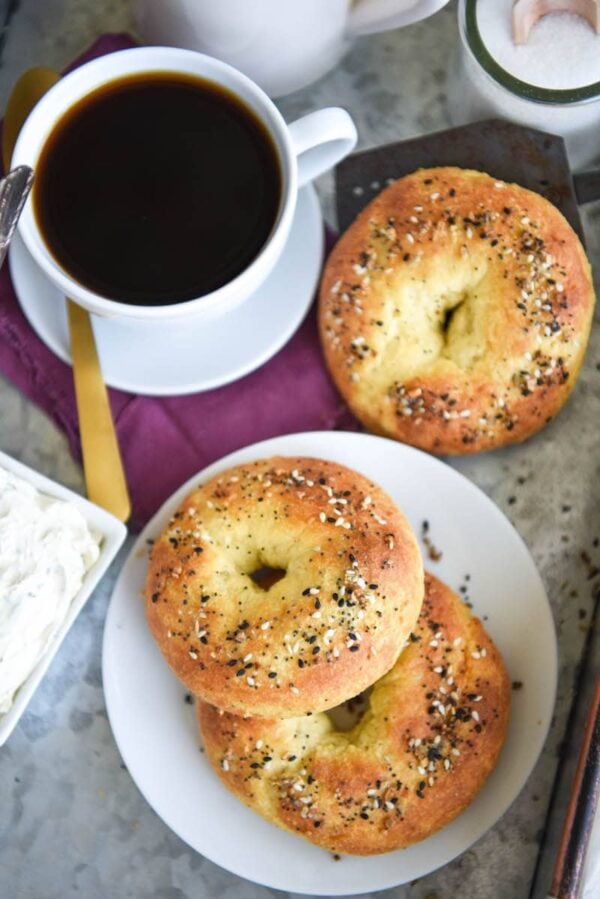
[(479, 87)]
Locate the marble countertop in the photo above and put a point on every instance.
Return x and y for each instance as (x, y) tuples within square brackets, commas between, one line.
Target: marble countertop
[(72, 822)]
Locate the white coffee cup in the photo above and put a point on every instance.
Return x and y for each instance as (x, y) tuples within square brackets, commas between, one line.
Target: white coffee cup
[(283, 45), (306, 148)]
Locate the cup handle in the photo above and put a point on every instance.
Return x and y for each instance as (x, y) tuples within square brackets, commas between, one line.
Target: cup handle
[(320, 140)]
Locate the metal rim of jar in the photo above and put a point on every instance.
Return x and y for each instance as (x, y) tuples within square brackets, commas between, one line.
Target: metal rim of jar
[(474, 42)]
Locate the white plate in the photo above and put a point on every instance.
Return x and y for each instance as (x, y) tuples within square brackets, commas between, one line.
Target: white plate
[(156, 730), (170, 358), (112, 532)]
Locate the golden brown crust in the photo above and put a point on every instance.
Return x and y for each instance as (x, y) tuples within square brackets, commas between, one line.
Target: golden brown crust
[(430, 738), (455, 311), (335, 622)]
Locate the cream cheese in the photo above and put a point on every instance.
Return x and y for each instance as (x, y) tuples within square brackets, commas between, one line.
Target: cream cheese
[(46, 548)]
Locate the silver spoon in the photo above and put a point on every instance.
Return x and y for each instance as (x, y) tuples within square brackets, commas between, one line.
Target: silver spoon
[(14, 190)]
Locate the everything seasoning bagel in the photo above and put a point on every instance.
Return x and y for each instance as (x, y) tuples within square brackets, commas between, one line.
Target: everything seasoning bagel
[(455, 311), (344, 582), (423, 749)]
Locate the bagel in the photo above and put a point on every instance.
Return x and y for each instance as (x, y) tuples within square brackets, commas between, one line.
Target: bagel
[(350, 590), (455, 311), (428, 741)]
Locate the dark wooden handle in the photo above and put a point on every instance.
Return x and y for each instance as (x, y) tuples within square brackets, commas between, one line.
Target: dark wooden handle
[(566, 877)]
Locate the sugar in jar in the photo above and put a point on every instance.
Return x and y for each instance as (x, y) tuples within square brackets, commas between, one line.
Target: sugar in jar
[(551, 82)]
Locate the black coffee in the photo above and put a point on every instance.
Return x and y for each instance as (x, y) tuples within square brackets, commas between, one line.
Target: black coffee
[(157, 188)]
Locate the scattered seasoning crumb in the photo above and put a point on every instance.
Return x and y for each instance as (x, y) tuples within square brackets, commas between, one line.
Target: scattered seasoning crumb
[(188, 699), (517, 685), (592, 570), (433, 552), (463, 591)]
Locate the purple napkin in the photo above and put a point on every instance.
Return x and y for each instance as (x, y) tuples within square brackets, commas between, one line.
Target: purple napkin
[(164, 441)]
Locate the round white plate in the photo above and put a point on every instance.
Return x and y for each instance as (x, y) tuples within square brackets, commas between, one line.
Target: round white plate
[(156, 731), (169, 358)]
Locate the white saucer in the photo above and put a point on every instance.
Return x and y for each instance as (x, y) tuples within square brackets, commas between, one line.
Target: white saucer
[(175, 357), (156, 730)]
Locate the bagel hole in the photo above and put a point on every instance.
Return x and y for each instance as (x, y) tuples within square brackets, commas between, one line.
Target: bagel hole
[(346, 716), (265, 576), (448, 316)]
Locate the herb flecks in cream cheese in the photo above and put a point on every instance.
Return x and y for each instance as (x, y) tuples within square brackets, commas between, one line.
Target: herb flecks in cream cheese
[(46, 548)]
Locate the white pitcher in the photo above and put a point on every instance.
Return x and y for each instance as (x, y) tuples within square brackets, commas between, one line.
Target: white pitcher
[(283, 45)]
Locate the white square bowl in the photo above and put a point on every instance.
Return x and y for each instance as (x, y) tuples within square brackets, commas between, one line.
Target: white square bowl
[(112, 534)]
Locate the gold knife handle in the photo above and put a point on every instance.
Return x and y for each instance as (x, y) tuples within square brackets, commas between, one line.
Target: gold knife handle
[(102, 465), (31, 86)]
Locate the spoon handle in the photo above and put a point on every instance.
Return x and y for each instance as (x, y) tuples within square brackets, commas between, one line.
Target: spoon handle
[(14, 190), (103, 468)]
